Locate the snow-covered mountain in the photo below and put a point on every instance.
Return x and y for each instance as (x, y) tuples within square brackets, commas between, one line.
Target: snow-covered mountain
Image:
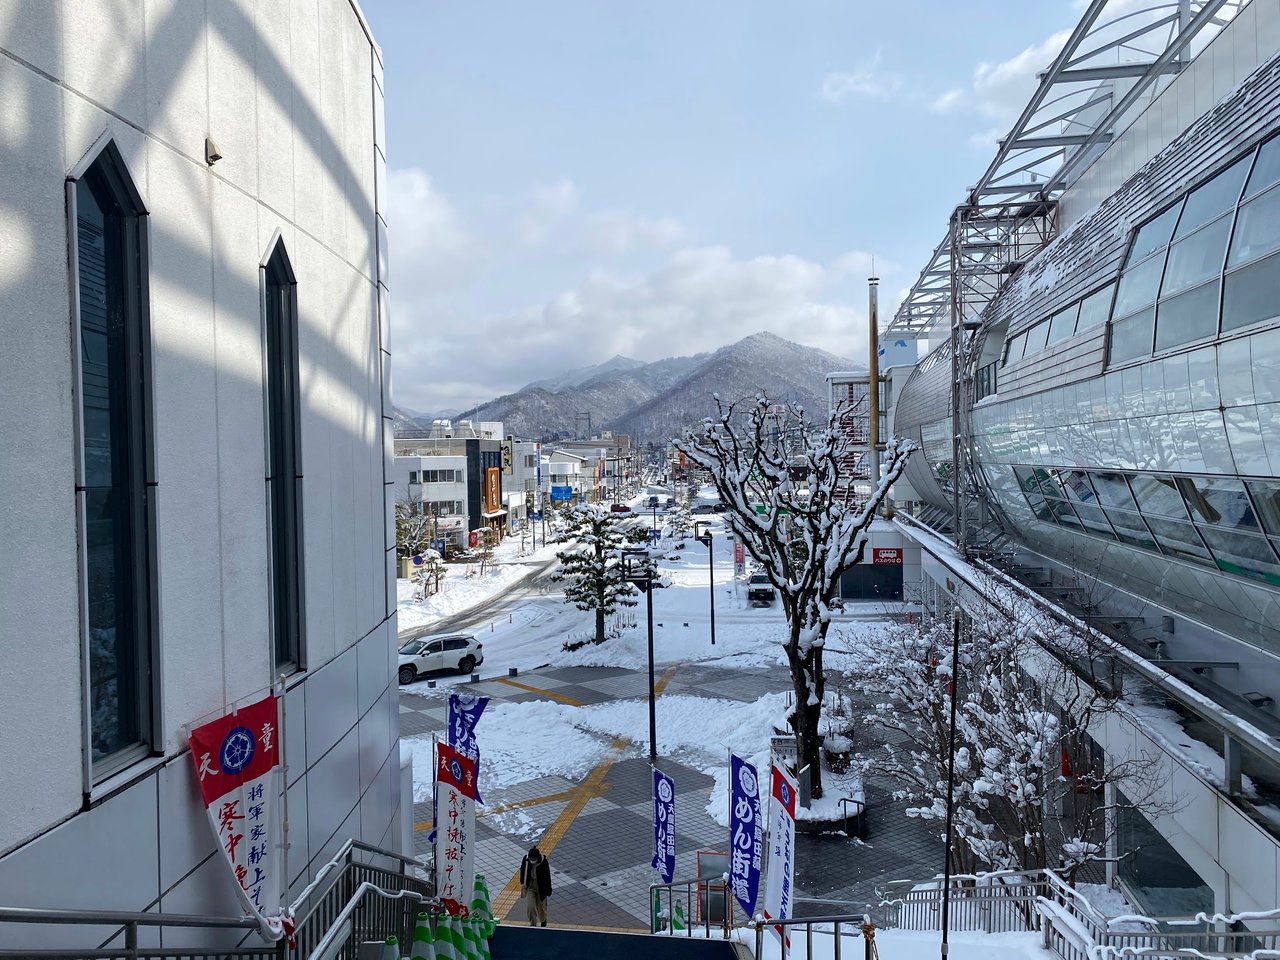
[(581, 375), (654, 402)]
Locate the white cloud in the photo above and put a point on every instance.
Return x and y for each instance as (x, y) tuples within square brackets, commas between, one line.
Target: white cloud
[(700, 298), (949, 101), (617, 231), (866, 80), (549, 206), (1001, 90), (427, 235)]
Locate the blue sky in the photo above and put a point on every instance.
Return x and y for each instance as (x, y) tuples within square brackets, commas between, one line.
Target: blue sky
[(571, 180)]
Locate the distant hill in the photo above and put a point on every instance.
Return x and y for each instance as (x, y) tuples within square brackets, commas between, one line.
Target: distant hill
[(653, 402)]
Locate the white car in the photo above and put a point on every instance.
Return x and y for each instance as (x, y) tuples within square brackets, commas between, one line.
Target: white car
[(458, 651)]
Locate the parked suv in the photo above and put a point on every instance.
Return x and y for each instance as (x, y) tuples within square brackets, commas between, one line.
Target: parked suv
[(459, 652)]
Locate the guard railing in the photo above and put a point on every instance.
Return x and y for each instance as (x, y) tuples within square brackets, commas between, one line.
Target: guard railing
[(706, 891), (363, 893), (125, 929), (853, 926)]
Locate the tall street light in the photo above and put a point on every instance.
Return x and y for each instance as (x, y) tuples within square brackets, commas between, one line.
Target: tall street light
[(705, 540), (637, 569)]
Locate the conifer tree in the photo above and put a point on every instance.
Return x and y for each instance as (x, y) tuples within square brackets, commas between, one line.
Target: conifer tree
[(591, 562)]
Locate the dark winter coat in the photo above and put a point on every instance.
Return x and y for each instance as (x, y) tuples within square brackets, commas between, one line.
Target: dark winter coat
[(541, 872)]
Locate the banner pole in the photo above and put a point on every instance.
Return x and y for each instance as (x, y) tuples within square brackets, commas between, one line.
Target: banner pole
[(281, 719)]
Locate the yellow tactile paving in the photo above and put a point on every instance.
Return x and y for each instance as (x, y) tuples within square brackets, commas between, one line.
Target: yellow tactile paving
[(561, 698)]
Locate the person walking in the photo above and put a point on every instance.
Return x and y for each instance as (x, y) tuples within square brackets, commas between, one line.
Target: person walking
[(535, 885)]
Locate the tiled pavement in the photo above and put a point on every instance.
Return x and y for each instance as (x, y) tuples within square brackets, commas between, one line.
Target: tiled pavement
[(601, 840)]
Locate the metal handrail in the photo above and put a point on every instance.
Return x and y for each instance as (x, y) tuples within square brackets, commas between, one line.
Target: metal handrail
[(128, 923), (713, 881), (118, 918), (860, 921)]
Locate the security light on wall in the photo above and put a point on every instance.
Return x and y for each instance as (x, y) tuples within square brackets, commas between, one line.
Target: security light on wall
[(211, 154)]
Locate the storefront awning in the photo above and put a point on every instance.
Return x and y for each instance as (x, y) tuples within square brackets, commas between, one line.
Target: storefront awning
[(495, 513)]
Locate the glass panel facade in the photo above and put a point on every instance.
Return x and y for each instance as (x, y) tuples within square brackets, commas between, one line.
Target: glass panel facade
[(1178, 539), (1219, 500), (1257, 229), (1266, 169), (1189, 316), (1213, 198), (1016, 346), (1242, 554), (1266, 497), (1154, 235), (1063, 323), (1252, 294), (1131, 337), (1157, 495), (1196, 258), (1113, 490), (1138, 286), (1094, 308), (1093, 519), (1036, 338), (1131, 529)]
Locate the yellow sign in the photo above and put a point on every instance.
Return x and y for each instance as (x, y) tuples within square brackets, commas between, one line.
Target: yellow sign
[(508, 458), (492, 489)]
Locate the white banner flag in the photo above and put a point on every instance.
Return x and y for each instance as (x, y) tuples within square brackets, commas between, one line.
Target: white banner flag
[(782, 845), (455, 831)]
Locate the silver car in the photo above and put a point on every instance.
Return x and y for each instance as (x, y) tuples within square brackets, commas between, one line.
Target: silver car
[(459, 651)]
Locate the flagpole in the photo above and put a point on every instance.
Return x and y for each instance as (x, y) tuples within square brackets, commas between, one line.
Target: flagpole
[(284, 754)]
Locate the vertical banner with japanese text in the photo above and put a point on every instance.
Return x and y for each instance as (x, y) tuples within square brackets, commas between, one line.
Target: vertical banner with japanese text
[(237, 761), (664, 825), (746, 834), (455, 833), (464, 714), (782, 845)]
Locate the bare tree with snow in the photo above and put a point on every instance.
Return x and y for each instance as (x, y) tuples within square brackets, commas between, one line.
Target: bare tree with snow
[(591, 563), (413, 529), (782, 480), (1031, 786)]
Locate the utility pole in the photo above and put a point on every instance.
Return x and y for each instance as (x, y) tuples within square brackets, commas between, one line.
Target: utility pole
[(873, 376)]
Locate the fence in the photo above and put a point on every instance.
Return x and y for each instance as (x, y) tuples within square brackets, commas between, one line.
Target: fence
[(125, 930), (987, 903), (705, 891), (363, 893)]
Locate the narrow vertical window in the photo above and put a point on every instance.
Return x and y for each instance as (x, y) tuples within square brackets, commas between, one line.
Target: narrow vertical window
[(284, 463), (115, 493)]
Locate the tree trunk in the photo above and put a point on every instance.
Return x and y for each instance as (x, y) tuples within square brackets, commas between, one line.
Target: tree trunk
[(804, 720), (599, 624)]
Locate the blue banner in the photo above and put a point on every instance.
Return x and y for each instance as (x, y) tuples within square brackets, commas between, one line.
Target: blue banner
[(746, 836), (664, 825), (464, 714)]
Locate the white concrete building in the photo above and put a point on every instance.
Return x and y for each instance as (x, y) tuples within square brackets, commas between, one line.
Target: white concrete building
[(437, 486), (194, 404)]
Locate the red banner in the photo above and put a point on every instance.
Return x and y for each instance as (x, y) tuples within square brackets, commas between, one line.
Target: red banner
[(887, 555), (237, 758)]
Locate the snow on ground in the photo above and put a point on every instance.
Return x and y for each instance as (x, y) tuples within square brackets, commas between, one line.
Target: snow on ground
[(905, 945), (463, 586)]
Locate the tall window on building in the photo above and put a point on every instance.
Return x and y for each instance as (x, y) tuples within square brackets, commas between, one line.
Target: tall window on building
[(116, 491), (285, 480)]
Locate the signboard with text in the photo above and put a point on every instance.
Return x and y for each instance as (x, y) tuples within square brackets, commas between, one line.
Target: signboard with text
[(782, 843), (887, 555), (455, 831), (561, 494), (492, 489)]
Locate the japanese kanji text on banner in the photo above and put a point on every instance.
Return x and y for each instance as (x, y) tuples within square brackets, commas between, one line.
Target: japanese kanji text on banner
[(237, 760), (455, 833), (664, 825), (782, 845), (746, 834)]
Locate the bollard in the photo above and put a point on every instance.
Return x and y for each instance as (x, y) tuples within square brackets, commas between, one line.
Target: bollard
[(491, 626), (684, 624), (431, 684), (509, 620), (475, 678), (513, 672), (657, 624)]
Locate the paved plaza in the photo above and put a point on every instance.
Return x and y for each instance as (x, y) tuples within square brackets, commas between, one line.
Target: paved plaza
[(598, 831)]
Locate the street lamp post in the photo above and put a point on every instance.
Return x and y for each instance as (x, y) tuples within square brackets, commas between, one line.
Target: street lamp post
[(705, 540), (641, 575)]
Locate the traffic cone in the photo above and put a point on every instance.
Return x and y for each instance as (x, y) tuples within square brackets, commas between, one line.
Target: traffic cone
[(481, 909), (461, 945), (477, 939), (391, 949), (424, 945), (445, 949), (677, 920)]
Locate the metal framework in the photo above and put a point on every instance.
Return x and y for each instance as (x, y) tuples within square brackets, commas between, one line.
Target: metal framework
[(1117, 59)]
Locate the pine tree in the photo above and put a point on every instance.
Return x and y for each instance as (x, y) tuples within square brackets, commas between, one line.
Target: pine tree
[(591, 564)]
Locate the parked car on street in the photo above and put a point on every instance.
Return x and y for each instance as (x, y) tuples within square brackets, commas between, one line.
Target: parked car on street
[(759, 590), (653, 501), (703, 508), (671, 502), (459, 651), (620, 508)]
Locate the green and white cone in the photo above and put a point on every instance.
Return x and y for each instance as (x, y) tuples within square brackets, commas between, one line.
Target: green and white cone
[(677, 919), (460, 950), (481, 909), (471, 933), (391, 948), (424, 941), (482, 938), (655, 923), (445, 949)]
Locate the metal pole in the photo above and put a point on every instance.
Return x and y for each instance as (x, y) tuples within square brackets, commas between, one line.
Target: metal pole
[(951, 775), (873, 375), (653, 715), (711, 585)]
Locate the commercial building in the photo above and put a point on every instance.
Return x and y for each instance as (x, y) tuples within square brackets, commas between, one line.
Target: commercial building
[(459, 471), (1107, 298), (194, 414)]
